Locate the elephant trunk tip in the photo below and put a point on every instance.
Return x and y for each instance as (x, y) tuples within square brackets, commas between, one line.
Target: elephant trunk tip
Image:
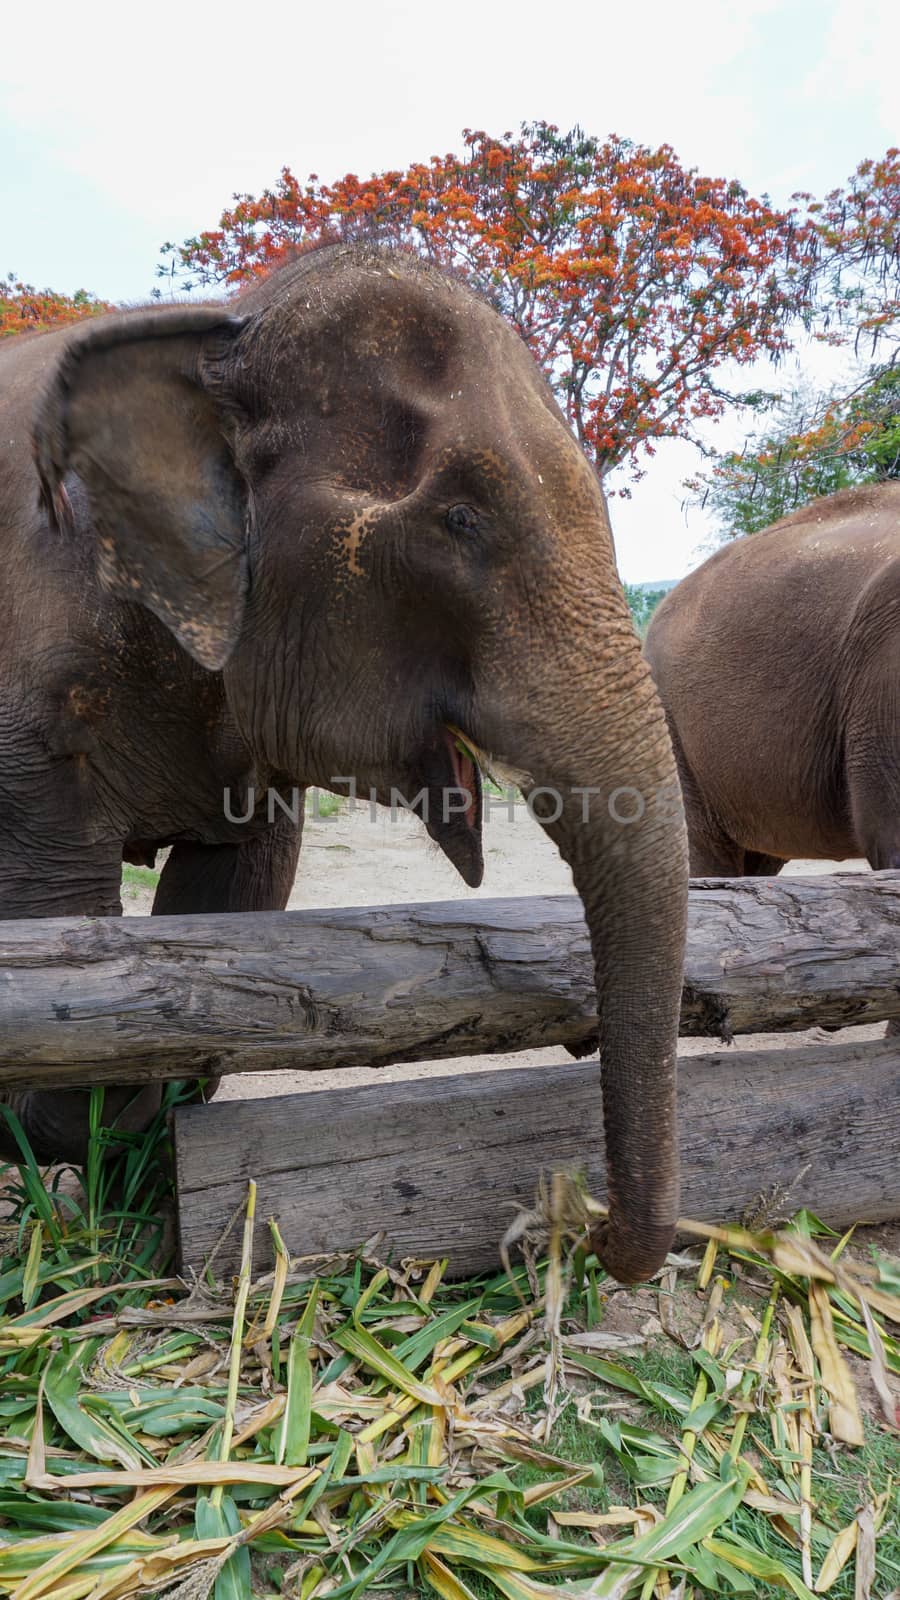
[(627, 1257)]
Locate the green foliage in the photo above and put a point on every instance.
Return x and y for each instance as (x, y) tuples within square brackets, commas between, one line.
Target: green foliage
[(135, 879), (814, 447), (642, 602), (321, 803), (878, 408), (111, 1232)]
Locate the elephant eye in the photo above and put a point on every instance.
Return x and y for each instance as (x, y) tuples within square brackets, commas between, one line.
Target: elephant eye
[(462, 519)]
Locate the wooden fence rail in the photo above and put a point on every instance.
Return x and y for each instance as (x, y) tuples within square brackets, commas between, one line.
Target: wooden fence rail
[(440, 1164), (124, 1000)]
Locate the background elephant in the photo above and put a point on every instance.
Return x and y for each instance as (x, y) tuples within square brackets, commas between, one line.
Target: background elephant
[(301, 539), (778, 664)]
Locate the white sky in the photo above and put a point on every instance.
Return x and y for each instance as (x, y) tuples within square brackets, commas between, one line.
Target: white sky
[(123, 126)]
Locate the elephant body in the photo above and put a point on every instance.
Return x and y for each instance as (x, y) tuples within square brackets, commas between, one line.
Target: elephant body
[(334, 533), (778, 664)]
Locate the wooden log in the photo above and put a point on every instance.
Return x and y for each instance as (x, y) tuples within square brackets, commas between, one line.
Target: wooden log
[(129, 999), (442, 1164)]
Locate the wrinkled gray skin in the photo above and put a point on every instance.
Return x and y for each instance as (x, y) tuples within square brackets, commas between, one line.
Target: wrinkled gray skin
[(296, 539), (778, 663)]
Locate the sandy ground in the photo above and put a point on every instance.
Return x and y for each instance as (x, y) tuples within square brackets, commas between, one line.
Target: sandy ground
[(361, 858)]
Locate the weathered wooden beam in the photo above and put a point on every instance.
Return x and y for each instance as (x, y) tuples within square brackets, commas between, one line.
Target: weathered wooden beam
[(129, 999), (442, 1164)]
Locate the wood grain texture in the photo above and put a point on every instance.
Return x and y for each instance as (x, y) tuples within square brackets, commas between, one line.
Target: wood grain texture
[(129, 999), (442, 1164)]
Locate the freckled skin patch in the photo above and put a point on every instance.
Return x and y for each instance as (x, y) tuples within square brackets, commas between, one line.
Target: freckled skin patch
[(492, 465), (361, 523)]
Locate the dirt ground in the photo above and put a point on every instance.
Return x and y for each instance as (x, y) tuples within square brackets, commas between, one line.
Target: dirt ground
[(357, 858)]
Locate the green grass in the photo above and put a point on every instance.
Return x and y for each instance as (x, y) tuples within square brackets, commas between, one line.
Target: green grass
[(385, 1474), (135, 880), (321, 803), (842, 1482), (111, 1227)]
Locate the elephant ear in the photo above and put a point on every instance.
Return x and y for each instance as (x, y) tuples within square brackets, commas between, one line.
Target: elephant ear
[(135, 409)]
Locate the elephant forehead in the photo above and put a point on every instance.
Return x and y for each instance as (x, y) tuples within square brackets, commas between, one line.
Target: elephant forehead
[(364, 324)]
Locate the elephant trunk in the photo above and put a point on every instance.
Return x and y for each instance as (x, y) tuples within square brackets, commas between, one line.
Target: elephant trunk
[(636, 914), (613, 808)]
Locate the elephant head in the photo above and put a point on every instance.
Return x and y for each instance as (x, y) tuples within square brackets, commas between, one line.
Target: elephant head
[(354, 495)]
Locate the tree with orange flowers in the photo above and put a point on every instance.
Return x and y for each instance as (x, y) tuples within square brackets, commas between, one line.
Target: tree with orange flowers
[(821, 443), (815, 445), (644, 289), (858, 230), (24, 309), (633, 280)]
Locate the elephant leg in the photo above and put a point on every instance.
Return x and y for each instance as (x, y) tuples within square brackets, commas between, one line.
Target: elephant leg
[(715, 860), (257, 875), (872, 740), (53, 879), (712, 853), (722, 858), (875, 801), (757, 865), (875, 804)]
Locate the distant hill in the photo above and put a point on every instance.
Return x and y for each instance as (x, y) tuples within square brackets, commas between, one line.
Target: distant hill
[(656, 584)]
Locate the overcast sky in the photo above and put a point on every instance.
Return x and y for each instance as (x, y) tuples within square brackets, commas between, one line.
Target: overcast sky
[(117, 135)]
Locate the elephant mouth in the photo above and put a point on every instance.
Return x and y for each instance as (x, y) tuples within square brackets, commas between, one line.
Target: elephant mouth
[(495, 768), (450, 802)]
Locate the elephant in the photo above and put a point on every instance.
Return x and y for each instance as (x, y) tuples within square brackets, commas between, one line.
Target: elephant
[(332, 532), (778, 665)]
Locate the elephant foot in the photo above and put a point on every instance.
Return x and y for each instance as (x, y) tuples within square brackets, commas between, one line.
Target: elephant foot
[(56, 1122), (583, 1048)]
